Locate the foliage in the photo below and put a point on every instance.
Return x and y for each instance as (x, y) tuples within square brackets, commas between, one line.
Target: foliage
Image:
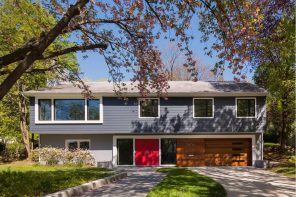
[(54, 156), (38, 180), (13, 151), (282, 161), (276, 73), (240, 29), (287, 171), (20, 21), (182, 182)]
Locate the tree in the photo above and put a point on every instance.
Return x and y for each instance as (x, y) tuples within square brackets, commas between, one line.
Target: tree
[(124, 33), (14, 30), (130, 36), (174, 62), (239, 27), (276, 72)]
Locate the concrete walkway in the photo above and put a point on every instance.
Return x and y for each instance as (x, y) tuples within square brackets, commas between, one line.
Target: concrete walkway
[(249, 181), (138, 183)]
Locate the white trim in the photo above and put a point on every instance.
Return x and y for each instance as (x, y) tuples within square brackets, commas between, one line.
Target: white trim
[(78, 142), (115, 137), (136, 94), (139, 108), (53, 121), (239, 98), (202, 98)]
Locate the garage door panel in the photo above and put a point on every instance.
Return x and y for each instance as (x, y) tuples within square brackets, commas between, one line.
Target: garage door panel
[(213, 152)]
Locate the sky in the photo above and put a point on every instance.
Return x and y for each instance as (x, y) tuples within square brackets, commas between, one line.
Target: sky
[(94, 67)]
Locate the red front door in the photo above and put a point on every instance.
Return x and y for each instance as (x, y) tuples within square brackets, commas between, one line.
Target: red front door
[(147, 152)]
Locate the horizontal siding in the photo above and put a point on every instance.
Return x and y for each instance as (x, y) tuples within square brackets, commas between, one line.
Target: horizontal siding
[(176, 116)]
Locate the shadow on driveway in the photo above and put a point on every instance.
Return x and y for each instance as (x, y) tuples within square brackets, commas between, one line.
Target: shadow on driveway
[(249, 181), (138, 183)]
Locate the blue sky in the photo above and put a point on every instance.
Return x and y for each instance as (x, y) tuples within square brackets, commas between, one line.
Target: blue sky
[(94, 67)]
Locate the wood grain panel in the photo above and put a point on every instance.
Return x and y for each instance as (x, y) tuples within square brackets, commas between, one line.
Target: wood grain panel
[(213, 152)]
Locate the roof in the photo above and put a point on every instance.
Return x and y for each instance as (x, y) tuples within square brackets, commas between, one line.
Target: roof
[(177, 88)]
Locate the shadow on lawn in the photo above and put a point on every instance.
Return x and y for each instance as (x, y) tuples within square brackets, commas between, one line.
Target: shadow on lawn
[(38, 183)]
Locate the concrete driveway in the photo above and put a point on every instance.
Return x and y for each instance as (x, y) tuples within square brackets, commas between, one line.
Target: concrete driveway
[(249, 181), (139, 181)]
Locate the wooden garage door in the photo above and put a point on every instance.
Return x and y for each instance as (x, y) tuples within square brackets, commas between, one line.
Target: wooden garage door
[(213, 152)]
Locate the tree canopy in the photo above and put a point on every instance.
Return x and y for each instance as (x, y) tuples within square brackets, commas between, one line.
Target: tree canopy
[(125, 33)]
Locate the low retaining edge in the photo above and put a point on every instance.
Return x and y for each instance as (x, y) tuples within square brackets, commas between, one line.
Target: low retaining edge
[(80, 189)]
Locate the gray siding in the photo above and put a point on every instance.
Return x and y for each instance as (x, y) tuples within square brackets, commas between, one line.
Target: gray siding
[(176, 116), (100, 145)]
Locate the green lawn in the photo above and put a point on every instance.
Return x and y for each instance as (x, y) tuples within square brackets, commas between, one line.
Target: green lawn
[(37, 180), (181, 182), (287, 171)]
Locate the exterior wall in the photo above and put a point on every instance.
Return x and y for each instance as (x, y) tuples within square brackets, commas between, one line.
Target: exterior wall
[(100, 145), (104, 146), (257, 153), (176, 116)]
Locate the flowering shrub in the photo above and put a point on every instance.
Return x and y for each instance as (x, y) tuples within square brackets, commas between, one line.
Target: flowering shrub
[(54, 156)]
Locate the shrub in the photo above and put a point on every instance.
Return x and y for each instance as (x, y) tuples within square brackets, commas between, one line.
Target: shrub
[(53, 156), (13, 151)]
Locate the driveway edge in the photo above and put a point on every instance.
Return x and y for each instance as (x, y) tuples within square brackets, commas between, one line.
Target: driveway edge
[(80, 189)]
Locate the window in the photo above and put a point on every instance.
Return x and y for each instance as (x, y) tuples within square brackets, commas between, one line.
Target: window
[(69, 109), (203, 107), (75, 144), (245, 107), (149, 108), (168, 151), (93, 109), (44, 109), (125, 149)]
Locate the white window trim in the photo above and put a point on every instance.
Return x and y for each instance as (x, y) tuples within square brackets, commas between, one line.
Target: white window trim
[(134, 137), (52, 121), (78, 142), (239, 98), (139, 108), (202, 98)]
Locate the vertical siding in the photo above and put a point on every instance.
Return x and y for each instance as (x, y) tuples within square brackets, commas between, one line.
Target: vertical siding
[(176, 116)]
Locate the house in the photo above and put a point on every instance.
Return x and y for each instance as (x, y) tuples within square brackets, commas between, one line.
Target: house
[(198, 124)]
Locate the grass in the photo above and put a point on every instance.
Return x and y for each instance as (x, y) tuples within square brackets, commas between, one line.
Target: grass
[(287, 171), (284, 161), (181, 182), (36, 180)]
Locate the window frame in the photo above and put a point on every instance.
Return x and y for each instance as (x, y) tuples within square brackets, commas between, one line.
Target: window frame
[(203, 98), (53, 121), (78, 142), (242, 98), (139, 108)]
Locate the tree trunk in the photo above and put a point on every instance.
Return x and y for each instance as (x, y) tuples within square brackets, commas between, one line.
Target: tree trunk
[(284, 126), (23, 119)]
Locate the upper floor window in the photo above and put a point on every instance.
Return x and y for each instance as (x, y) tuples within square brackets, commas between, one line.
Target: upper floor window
[(149, 108), (93, 109), (203, 107), (245, 107), (44, 109), (69, 110), (77, 144)]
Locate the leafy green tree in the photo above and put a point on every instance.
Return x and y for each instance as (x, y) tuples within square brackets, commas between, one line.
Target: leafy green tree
[(276, 72), (15, 29)]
